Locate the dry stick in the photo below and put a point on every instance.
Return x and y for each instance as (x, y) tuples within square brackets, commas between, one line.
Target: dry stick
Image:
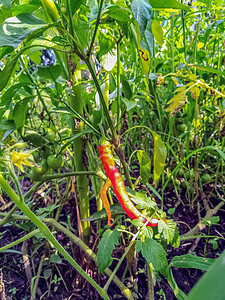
[(26, 262), (80, 244), (195, 230), (2, 286), (150, 283)]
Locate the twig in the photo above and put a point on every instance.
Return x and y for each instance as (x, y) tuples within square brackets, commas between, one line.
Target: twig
[(200, 226), (2, 286)]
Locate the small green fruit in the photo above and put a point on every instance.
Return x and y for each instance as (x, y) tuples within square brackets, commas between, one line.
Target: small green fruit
[(206, 178), (55, 162)]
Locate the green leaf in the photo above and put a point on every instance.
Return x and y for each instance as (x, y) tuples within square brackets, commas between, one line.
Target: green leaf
[(15, 29), (47, 273), (147, 41), (177, 292), (8, 96), (5, 50), (118, 13), (169, 231), (8, 69), (116, 209), (105, 248), (142, 12), (192, 261), (137, 223), (157, 32), (75, 5), (148, 232), (38, 32), (141, 199), (160, 154), (171, 211), (55, 258), (7, 3), (145, 165), (211, 285), (19, 112), (12, 251), (51, 72), (7, 125), (129, 103), (162, 4), (154, 253), (16, 10)]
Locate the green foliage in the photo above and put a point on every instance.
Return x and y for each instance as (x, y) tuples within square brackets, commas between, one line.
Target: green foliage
[(128, 71), (17, 28), (160, 154), (145, 165), (210, 286), (191, 261), (169, 232), (167, 4), (154, 253), (105, 248)]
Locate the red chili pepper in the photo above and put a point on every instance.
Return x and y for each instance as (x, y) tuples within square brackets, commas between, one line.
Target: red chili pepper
[(118, 185)]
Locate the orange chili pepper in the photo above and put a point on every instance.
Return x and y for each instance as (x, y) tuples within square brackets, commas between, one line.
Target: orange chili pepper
[(105, 200)]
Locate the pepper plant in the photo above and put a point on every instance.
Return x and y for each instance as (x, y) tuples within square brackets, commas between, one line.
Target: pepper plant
[(98, 91)]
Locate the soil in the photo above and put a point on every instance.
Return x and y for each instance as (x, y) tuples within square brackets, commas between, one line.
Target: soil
[(67, 284)]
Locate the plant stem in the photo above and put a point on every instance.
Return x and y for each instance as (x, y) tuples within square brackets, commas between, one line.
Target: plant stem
[(82, 187), (34, 291), (120, 261), (150, 282), (48, 235), (101, 97), (96, 27), (118, 84), (24, 238), (184, 34), (7, 216), (79, 243)]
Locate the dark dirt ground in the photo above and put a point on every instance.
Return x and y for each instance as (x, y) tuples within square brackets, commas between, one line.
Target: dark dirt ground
[(16, 281)]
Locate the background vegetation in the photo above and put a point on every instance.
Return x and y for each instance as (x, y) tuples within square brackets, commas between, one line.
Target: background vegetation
[(149, 77)]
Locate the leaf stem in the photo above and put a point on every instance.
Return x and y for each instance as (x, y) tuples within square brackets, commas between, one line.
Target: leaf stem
[(101, 97), (48, 235), (78, 242)]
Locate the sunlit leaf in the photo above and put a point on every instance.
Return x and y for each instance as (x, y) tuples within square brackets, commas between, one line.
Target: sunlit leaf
[(167, 4), (145, 165), (169, 231), (160, 153), (15, 29), (157, 32), (154, 253), (19, 112), (211, 285), (177, 102), (108, 60)]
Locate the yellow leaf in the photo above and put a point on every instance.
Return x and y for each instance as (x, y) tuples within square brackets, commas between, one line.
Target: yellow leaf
[(200, 45), (157, 32), (145, 59), (177, 102), (195, 92)]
